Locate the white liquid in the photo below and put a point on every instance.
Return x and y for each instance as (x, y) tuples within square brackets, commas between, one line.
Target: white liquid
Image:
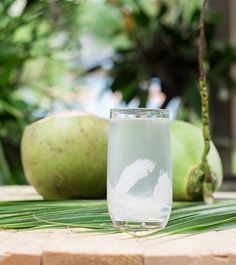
[(139, 171)]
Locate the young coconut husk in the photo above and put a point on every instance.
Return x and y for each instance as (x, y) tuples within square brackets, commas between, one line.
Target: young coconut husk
[(187, 145), (65, 155)]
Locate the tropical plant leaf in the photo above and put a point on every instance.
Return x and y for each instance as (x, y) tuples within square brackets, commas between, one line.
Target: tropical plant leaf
[(93, 216)]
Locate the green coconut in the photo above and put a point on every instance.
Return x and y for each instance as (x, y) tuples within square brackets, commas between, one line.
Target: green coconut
[(187, 147), (65, 155)]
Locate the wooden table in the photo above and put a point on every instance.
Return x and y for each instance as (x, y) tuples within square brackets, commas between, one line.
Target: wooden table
[(66, 247)]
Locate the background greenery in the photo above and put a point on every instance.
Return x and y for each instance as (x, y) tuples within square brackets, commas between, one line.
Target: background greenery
[(40, 44)]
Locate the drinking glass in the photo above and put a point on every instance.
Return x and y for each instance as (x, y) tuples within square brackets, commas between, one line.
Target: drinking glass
[(139, 178)]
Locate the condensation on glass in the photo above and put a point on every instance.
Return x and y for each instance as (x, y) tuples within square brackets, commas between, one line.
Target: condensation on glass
[(139, 184)]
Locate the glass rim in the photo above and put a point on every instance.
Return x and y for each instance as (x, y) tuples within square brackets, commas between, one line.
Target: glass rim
[(158, 113)]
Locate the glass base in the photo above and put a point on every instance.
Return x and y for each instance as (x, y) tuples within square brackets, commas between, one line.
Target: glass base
[(138, 226)]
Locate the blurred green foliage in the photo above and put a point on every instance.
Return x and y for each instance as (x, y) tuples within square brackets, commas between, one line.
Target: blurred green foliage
[(27, 28), (163, 42)]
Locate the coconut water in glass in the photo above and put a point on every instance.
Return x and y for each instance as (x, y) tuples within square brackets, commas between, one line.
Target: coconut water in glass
[(139, 184)]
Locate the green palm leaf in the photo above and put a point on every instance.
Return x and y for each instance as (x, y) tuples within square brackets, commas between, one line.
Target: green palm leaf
[(92, 215)]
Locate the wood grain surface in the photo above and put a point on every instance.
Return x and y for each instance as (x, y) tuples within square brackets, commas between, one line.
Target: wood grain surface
[(68, 247)]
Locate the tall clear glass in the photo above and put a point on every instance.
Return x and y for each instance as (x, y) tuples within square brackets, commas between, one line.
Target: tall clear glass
[(139, 186)]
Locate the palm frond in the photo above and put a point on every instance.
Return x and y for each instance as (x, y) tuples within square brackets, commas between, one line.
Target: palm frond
[(92, 216)]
